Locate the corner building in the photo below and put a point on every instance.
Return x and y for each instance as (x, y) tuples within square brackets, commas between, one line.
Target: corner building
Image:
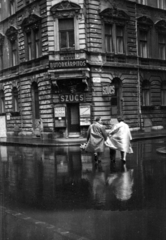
[(63, 63)]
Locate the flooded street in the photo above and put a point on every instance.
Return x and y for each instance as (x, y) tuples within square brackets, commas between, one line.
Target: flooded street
[(58, 193)]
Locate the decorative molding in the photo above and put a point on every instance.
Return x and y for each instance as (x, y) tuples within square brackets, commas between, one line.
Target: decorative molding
[(11, 33), (31, 22), (111, 15), (161, 26), (65, 9), (144, 23)]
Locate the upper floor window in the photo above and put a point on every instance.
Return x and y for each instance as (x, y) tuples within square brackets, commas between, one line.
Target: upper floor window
[(31, 27), (15, 99), (146, 93), (162, 46), (108, 38), (161, 4), (115, 22), (1, 57), (66, 33), (144, 36), (13, 53), (144, 2), (143, 46), (12, 36), (1, 50), (12, 7), (2, 101), (35, 100), (66, 14), (163, 94)]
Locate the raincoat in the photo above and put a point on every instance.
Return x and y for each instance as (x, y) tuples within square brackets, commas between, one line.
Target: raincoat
[(96, 137), (120, 137)]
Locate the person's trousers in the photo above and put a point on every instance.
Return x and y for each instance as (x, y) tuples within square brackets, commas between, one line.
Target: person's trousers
[(123, 156), (112, 154)]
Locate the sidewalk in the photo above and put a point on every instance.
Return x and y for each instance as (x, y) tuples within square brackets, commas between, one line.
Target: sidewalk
[(39, 142)]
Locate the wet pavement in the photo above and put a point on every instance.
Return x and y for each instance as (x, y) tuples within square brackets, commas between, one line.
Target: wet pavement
[(58, 193)]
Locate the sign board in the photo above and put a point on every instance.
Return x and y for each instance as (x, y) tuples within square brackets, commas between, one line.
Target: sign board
[(3, 126), (67, 64), (59, 111), (108, 90), (85, 115), (63, 98), (96, 80)]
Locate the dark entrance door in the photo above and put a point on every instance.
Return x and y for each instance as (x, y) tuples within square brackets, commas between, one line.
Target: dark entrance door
[(73, 118)]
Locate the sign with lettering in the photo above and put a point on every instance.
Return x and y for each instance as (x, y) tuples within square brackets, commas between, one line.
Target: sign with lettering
[(59, 111), (67, 64), (108, 90), (3, 126), (71, 98), (85, 115)]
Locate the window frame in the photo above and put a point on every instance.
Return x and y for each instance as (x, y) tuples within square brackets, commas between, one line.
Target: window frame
[(68, 32), (161, 45), (1, 57), (144, 42), (12, 7), (13, 45), (2, 101), (15, 99), (145, 94), (163, 94)]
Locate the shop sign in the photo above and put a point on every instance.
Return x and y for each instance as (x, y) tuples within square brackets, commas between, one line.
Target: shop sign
[(96, 80), (85, 114), (108, 90), (67, 64), (71, 98), (59, 111)]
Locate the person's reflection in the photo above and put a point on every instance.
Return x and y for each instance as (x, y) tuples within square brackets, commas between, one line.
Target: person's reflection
[(122, 183)]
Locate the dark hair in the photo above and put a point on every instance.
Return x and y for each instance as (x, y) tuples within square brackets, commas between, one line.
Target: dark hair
[(120, 118), (97, 119)]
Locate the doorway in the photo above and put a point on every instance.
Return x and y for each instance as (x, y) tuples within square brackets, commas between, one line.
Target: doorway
[(73, 119)]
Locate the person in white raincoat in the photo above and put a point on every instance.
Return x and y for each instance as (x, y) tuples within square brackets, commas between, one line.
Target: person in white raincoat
[(120, 137)]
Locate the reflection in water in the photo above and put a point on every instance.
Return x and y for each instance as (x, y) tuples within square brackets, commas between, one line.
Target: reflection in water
[(64, 178), (122, 184)]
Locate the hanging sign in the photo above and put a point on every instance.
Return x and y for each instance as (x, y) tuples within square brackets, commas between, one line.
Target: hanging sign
[(59, 111), (108, 90)]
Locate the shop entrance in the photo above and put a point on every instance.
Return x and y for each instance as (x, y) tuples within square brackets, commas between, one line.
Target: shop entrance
[(73, 119)]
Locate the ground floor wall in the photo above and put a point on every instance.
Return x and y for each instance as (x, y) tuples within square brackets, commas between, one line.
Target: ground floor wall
[(44, 111)]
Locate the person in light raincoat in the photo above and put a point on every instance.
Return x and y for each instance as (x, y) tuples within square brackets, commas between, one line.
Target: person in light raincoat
[(96, 136), (120, 137)]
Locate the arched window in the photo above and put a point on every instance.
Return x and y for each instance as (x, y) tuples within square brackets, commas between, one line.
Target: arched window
[(116, 107), (163, 94), (35, 101), (146, 93), (2, 101), (15, 99)]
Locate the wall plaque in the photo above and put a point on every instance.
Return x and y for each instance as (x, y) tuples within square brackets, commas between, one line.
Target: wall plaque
[(63, 98), (67, 64), (108, 90)]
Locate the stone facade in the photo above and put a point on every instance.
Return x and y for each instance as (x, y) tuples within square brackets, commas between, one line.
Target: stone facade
[(63, 63)]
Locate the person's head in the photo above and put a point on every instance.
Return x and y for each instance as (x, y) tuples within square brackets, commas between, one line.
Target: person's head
[(98, 119), (120, 118)]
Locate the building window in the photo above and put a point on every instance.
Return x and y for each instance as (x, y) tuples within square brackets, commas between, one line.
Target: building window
[(14, 53), (161, 4), (66, 34), (2, 101), (35, 100), (162, 46), (37, 43), (15, 99), (1, 57), (143, 44), (119, 39), (163, 94), (108, 38), (31, 28), (12, 7), (145, 93), (116, 107), (144, 2), (29, 46)]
